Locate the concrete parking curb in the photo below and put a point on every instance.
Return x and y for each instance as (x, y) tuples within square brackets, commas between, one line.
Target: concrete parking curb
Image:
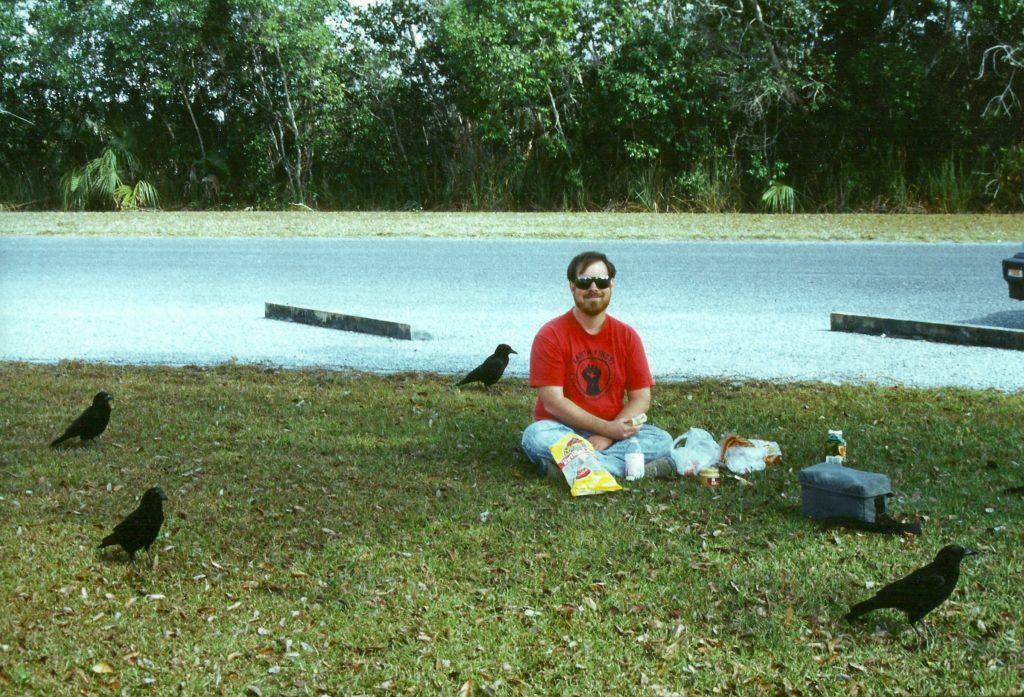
[(964, 334), (334, 320)]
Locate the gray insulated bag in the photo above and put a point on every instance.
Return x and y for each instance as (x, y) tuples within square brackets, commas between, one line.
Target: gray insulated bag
[(830, 490)]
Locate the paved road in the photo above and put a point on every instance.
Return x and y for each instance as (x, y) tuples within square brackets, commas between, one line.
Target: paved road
[(756, 310)]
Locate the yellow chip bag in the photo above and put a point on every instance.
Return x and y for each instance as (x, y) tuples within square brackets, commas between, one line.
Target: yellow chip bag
[(575, 457)]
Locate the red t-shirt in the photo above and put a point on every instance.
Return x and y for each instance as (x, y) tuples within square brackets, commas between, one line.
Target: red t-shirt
[(594, 372)]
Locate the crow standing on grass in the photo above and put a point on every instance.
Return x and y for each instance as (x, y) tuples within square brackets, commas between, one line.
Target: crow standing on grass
[(91, 422), (490, 371), (921, 591), (140, 528)]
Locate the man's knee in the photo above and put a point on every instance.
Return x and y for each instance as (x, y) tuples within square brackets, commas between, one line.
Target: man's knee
[(537, 440), (656, 442)]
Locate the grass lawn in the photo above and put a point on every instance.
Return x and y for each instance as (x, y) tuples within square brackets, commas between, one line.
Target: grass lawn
[(338, 533), (593, 226)]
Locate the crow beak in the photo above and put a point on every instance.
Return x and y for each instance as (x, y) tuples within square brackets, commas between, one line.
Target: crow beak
[(970, 552)]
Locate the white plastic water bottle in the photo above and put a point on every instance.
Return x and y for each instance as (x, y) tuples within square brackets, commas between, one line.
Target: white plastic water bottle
[(634, 460)]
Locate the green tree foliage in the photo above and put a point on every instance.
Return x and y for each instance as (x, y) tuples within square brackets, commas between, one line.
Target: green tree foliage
[(510, 78), (536, 104)]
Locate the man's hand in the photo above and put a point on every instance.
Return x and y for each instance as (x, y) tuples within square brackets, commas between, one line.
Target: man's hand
[(603, 433), (619, 429)]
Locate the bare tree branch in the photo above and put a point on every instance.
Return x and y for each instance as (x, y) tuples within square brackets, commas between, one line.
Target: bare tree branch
[(1012, 56), (20, 118), (192, 117)]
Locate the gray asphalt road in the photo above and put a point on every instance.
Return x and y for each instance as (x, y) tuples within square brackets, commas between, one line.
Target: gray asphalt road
[(750, 310)]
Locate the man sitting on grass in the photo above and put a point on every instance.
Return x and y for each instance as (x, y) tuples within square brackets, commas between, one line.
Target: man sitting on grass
[(583, 364)]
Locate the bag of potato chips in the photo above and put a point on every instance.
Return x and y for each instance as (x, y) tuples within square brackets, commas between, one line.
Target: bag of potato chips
[(575, 457)]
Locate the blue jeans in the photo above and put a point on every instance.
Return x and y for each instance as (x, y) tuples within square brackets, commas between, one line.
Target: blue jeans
[(541, 435)]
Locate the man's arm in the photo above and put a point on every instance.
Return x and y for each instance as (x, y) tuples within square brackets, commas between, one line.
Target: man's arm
[(605, 432), (639, 401)]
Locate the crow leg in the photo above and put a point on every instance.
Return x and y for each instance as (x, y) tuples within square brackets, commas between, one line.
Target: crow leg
[(925, 639), (930, 633)]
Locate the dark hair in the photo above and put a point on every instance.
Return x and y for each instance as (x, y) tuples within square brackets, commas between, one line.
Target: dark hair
[(585, 259)]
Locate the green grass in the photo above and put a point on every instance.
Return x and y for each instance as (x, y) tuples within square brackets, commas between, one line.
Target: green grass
[(338, 533), (591, 226)]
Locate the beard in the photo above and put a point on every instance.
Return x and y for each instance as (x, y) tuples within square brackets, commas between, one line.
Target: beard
[(593, 305)]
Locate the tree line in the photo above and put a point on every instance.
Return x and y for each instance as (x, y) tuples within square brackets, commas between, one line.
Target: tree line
[(653, 105)]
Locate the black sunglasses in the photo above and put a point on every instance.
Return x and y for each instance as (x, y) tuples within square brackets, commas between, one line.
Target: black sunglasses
[(583, 282)]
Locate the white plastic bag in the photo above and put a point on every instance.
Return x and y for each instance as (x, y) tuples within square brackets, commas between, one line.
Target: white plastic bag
[(741, 459), (743, 456), (700, 452), (736, 454)]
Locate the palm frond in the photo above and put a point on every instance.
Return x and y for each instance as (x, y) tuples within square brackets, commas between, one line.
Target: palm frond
[(99, 181), (779, 198)]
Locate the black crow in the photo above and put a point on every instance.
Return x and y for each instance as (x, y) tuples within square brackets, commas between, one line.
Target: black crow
[(490, 371), (921, 591), (92, 422), (140, 528)]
